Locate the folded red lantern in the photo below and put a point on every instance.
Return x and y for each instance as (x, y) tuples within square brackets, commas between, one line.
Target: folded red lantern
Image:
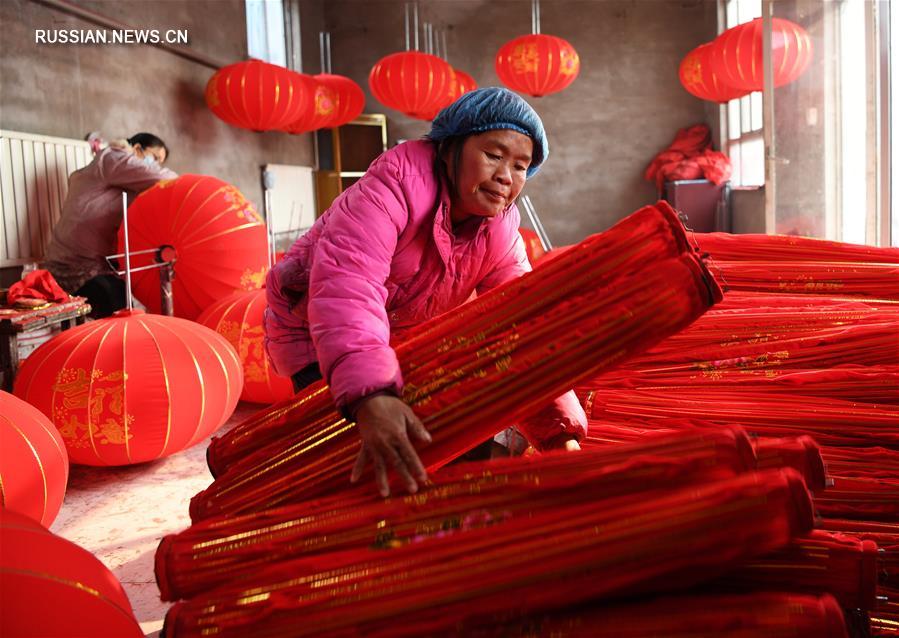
[(878, 281), (575, 553), (885, 535), (133, 387), (238, 319), (412, 82), (54, 589), (34, 465), (868, 463), (750, 615), (537, 64), (256, 95), (465, 389), (698, 78), (647, 237), (218, 237), (866, 499), (728, 247), (736, 54), (819, 562), (801, 453), (466, 496)]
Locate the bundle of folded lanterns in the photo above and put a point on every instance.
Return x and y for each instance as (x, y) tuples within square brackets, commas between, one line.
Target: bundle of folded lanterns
[(740, 475)]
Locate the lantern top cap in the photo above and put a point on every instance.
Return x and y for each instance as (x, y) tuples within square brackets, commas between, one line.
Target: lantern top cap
[(489, 109)]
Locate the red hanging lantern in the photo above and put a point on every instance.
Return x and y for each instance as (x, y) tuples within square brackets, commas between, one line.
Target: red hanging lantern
[(736, 54), (256, 95), (53, 588), (218, 238), (134, 387), (462, 83), (238, 319), (537, 64), (349, 99), (698, 78), (412, 82), (321, 108), (34, 466)]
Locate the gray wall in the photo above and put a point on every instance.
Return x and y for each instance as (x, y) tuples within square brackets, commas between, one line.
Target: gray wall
[(625, 106), (70, 90)]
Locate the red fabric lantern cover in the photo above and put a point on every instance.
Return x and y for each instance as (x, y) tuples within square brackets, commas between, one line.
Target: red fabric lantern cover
[(256, 95), (34, 466), (537, 64), (218, 237), (532, 244), (412, 82), (134, 387), (736, 54), (52, 588), (698, 78), (320, 109), (348, 96), (238, 319)]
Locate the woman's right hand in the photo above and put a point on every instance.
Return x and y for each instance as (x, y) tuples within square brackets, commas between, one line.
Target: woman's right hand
[(386, 424)]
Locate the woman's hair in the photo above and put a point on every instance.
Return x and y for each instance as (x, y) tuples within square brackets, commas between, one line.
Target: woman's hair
[(449, 151), (148, 140)]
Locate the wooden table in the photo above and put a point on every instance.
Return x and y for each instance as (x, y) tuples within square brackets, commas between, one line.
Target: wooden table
[(15, 322)]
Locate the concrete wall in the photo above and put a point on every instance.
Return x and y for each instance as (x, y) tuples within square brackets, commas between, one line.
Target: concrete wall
[(70, 90), (625, 106)]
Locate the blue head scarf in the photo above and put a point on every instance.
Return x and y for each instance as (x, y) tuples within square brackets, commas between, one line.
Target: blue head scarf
[(489, 109)]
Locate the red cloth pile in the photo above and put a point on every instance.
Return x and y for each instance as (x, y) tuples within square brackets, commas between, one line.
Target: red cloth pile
[(38, 284), (690, 156)]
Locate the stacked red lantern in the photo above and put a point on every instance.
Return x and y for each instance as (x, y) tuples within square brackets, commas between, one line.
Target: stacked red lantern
[(34, 466), (731, 66), (537, 64), (133, 387), (53, 588), (256, 95), (238, 319), (417, 84), (219, 242)]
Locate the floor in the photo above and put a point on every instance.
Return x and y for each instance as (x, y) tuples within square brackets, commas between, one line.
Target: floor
[(120, 514)]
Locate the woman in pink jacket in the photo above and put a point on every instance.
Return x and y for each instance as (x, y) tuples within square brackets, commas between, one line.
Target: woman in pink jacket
[(431, 222)]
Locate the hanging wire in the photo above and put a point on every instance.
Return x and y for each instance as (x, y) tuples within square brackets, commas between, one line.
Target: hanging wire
[(127, 252), (443, 37), (407, 26), (535, 16), (415, 16)]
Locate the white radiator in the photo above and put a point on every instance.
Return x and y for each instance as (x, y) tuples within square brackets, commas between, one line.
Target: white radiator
[(34, 179)]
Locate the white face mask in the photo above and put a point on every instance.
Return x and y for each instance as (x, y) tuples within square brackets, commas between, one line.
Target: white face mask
[(150, 161)]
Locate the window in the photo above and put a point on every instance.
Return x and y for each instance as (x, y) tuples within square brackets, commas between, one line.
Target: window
[(265, 31), (744, 143)]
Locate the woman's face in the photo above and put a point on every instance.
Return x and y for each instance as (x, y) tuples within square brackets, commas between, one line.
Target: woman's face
[(157, 152), (492, 171)]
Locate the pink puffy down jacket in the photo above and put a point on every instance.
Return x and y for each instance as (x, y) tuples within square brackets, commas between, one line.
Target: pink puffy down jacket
[(383, 258)]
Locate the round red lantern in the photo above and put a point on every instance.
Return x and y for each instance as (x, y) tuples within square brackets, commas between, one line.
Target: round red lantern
[(256, 95), (412, 82), (34, 466), (238, 319), (537, 64), (349, 98), (736, 54), (133, 387), (219, 242), (462, 83), (698, 78), (320, 111), (55, 589)]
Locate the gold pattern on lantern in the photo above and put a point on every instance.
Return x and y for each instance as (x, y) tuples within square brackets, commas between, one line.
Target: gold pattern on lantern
[(98, 399), (525, 58), (251, 280), (212, 93), (569, 62)]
